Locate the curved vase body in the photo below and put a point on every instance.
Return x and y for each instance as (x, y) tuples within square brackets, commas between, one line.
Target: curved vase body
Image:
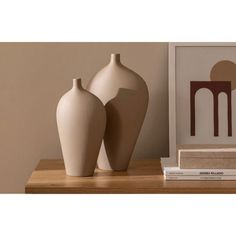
[(125, 96), (81, 122)]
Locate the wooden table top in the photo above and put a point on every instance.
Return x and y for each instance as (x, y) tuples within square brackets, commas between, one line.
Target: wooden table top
[(143, 176)]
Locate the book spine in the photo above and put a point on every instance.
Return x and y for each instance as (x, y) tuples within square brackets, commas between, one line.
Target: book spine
[(201, 172), (204, 163), (207, 159), (196, 177)]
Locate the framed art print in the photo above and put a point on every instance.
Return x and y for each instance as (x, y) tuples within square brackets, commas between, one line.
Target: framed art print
[(202, 94)]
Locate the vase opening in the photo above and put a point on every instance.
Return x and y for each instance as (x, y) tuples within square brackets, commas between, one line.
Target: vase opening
[(77, 83), (115, 58)]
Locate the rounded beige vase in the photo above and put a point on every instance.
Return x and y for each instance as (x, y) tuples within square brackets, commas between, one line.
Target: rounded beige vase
[(125, 96), (81, 122)]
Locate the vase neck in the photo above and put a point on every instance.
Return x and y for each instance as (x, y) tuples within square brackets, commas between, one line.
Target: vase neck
[(77, 84), (115, 58)]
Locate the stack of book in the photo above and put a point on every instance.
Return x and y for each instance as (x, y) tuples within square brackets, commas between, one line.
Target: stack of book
[(202, 164)]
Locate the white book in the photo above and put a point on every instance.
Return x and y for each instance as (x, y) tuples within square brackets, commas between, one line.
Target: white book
[(199, 177), (172, 171)]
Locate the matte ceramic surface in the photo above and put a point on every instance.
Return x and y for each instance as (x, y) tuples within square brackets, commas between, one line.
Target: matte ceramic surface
[(81, 121), (125, 96)]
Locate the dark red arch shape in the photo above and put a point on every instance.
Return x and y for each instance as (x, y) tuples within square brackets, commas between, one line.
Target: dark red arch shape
[(215, 87)]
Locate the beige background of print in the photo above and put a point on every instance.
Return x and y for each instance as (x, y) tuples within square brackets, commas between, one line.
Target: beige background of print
[(195, 64), (33, 76)]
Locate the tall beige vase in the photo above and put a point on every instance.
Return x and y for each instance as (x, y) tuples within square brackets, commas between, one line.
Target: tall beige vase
[(81, 122), (125, 96)]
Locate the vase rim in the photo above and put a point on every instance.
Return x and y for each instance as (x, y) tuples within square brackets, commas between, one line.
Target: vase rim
[(115, 58), (77, 83)]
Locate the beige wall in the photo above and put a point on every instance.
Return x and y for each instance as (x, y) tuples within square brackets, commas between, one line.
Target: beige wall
[(33, 76)]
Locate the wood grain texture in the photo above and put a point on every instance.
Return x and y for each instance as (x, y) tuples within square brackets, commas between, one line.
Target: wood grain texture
[(143, 176)]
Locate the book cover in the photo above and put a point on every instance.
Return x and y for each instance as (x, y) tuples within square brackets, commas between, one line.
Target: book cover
[(207, 158), (199, 177), (178, 171)]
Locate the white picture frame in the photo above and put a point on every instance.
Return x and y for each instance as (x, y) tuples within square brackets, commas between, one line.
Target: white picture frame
[(172, 90)]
